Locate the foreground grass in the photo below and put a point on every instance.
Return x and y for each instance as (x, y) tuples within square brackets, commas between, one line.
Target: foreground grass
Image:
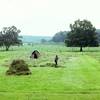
[(77, 78)]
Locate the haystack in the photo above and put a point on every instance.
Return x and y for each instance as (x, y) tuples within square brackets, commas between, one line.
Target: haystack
[(35, 54), (18, 67)]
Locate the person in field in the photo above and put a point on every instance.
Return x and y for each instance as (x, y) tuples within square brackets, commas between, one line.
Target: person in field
[(56, 60)]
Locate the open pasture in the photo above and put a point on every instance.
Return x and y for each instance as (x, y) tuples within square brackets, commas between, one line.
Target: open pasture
[(76, 78)]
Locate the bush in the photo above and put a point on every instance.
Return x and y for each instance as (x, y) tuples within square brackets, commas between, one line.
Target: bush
[(18, 67)]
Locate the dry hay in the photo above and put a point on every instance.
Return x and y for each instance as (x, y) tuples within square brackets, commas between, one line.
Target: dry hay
[(35, 54), (18, 67)]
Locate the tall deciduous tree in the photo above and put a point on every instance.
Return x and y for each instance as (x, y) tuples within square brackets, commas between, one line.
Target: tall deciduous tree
[(82, 34), (9, 36)]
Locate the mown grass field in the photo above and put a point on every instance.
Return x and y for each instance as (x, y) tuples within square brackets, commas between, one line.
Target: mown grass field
[(76, 78)]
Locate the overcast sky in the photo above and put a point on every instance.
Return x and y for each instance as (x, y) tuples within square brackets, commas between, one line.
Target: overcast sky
[(47, 17)]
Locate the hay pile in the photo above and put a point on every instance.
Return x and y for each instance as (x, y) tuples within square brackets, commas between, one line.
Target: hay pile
[(18, 67), (35, 54)]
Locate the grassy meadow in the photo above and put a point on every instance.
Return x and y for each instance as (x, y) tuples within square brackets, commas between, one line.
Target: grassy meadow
[(77, 76)]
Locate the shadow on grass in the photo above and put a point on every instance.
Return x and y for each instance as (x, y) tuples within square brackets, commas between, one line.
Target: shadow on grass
[(48, 65), (3, 50), (83, 51)]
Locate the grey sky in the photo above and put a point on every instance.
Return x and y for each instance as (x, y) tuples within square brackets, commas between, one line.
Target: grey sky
[(46, 17)]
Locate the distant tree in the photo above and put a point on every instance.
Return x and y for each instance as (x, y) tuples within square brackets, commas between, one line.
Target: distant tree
[(82, 34), (98, 34), (9, 36), (43, 40), (59, 37), (1, 39)]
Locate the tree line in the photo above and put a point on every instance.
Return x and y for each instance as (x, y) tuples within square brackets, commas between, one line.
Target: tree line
[(82, 34)]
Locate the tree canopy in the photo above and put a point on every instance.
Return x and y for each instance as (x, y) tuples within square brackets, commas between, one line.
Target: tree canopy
[(9, 36), (82, 34), (59, 37)]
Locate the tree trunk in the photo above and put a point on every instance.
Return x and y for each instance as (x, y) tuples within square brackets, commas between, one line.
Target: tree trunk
[(81, 49)]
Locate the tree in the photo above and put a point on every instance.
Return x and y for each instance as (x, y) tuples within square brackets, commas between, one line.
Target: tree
[(9, 36), (1, 39), (98, 33), (43, 41), (59, 37), (82, 34)]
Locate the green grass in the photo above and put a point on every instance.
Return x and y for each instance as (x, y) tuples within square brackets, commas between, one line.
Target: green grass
[(76, 78)]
